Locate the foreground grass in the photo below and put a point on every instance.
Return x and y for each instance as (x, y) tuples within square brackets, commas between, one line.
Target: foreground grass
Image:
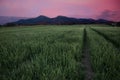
[(55, 53), (105, 57), (41, 53), (113, 33)]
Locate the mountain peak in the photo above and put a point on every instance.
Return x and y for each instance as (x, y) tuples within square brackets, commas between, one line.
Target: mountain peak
[(61, 16), (58, 20), (42, 16)]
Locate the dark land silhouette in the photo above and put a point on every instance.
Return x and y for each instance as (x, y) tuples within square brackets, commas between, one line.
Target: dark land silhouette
[(60, 20)]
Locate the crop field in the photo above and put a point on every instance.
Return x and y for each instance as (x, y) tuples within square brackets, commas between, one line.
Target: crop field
[(60, 52)]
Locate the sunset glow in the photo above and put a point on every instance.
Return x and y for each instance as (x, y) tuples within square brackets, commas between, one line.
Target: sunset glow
[(105, 9)]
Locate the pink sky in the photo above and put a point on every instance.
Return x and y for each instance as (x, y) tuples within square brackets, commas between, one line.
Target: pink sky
[(106, 9)]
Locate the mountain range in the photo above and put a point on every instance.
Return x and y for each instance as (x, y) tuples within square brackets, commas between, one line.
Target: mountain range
[(59, 20)]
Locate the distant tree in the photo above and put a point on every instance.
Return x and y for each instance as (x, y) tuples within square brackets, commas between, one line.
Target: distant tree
[(10, 24), (118, 24), (114, 24)]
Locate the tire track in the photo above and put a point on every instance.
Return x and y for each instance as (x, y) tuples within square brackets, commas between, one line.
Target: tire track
[(107, 38), (86, 58)]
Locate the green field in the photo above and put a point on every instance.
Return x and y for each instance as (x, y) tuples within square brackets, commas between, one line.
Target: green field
[(57, 52)]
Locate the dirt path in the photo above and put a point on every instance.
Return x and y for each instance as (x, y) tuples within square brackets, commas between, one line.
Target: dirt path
[(86, 58)]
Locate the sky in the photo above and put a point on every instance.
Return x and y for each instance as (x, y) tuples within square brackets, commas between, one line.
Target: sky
[(96, 9)]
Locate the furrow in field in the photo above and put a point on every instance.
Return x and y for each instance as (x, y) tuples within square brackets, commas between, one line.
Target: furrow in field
[(105, 57), (86, 58), (107, 38)]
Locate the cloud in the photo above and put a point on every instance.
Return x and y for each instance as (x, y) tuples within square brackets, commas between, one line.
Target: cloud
[(110, 15), (52, 8)]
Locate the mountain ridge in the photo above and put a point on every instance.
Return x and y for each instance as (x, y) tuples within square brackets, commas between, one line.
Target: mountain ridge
[(59, 20)]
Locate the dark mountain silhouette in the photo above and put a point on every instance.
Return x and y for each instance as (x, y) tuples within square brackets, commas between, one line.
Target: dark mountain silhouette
[(103, 21), (7, 19), (38, 20), (64, 20), (59, 20), (87, 21)]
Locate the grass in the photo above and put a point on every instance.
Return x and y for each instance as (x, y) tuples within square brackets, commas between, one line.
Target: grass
[(112, 32), (55, 52), (41, 53), (105, 58)]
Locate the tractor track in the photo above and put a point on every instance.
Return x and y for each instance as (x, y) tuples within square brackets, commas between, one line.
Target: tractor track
[(107, 38)]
